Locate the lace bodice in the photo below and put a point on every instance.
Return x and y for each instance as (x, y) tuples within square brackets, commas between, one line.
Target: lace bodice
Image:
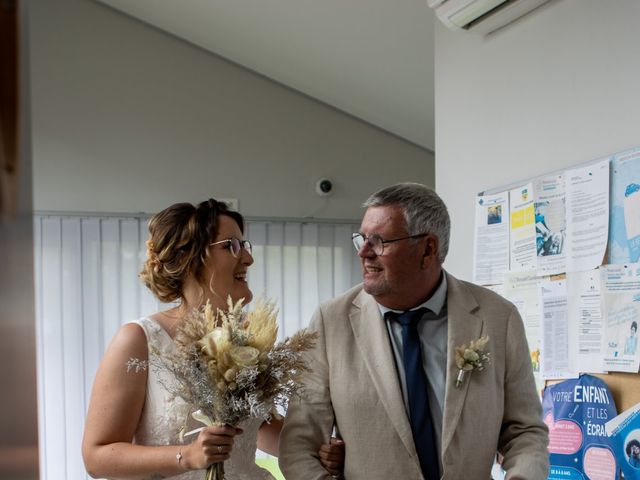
[(163, 416)]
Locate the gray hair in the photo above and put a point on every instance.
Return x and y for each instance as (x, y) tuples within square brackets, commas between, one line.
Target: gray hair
[(424, 211)]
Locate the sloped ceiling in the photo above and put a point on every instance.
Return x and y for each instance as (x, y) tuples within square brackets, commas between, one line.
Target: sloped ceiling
[(372, 59)]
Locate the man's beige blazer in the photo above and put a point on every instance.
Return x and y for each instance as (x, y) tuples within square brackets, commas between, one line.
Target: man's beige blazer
[(354, 386)]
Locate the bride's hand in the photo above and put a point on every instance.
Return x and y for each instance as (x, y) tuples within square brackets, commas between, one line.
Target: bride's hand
[(213, 445)]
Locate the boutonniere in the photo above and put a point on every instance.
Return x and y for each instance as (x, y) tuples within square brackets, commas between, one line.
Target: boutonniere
[(471, 357)]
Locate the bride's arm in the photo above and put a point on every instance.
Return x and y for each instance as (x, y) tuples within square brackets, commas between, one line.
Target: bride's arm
[(114, 412), (269, 435)]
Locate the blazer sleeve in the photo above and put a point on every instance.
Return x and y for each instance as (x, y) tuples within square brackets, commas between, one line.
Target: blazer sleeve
[(309, 420), (524, 436)]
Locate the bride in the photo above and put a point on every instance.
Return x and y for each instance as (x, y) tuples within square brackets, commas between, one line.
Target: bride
[(194, 254)]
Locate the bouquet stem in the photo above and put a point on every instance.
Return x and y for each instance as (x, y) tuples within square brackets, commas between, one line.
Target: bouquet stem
[(215, 472)]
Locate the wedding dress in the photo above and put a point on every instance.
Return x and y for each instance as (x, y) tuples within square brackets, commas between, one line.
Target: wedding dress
[(163, 417)]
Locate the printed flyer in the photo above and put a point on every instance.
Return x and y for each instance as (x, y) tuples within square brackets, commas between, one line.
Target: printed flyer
[(620, 287), (587, 215), (576, 411), (624, 234), (521, 289), (523, 230), (551, 224), (491, 250), (625, 432)]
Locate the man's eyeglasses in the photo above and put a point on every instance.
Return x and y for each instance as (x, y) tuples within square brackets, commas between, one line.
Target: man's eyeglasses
[(376, 243), (235, 245)]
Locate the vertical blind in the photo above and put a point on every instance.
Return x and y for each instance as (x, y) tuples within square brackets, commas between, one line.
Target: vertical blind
[(87, 286)]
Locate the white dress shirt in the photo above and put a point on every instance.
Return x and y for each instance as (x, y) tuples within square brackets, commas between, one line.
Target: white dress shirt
[(432, 329)]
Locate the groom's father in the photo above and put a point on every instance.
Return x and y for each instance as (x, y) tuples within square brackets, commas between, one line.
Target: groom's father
[(384, 367)]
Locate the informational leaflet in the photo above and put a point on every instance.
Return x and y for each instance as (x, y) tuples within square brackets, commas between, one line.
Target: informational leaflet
[(585, 320), (523, 231), (555, 361), (624, 225), (621, 295), (624, 431), (522, 289), (587, 215), (550, 224), (491, 252)]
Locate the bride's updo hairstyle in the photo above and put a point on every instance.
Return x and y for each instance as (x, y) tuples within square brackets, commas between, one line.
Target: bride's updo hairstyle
[(179, 237)]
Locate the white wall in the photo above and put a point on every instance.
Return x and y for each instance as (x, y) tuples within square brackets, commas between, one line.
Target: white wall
[(559, 87), (128, 119)]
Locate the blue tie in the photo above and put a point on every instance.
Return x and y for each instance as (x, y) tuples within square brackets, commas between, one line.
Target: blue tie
[(419, 411)]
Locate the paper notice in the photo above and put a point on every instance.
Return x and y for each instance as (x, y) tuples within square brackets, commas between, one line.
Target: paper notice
[(491, 252), (523, 231), (587, 215), (621, 294)]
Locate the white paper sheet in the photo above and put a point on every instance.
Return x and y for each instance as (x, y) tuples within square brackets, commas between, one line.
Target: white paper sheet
[(587, 215), (491, 252), (522, 239), (555, 361), (621, 294), (551, 224), (585, 320), (522, 289)]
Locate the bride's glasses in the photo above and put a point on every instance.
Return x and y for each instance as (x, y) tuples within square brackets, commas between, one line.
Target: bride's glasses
[(235, 245)]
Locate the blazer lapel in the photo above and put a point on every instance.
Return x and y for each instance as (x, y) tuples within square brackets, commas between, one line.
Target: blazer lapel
[(371, 336), (463, 326)]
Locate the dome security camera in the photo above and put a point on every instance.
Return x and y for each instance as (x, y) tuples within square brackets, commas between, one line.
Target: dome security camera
[(324, 187)]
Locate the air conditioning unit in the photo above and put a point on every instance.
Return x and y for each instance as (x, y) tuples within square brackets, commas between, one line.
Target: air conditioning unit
[(481, 16)]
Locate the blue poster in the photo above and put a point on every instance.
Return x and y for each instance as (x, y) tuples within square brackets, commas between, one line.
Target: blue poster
[(624, 222), (625, 431), (576, 411)]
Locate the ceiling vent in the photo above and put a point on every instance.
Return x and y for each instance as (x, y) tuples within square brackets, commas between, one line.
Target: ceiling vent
[(481, 16)]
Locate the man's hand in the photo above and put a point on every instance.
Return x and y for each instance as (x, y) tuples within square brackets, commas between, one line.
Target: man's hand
[(332, 456)]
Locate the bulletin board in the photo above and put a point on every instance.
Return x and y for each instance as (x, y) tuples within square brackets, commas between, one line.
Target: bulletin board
[(625, 388), (564, 247)]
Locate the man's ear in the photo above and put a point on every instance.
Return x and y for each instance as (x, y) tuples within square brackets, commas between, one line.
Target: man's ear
[(430, 251)]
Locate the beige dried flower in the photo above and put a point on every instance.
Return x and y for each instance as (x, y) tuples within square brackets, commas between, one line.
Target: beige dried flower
[(244, 356), (229, 367), (471, 357)]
